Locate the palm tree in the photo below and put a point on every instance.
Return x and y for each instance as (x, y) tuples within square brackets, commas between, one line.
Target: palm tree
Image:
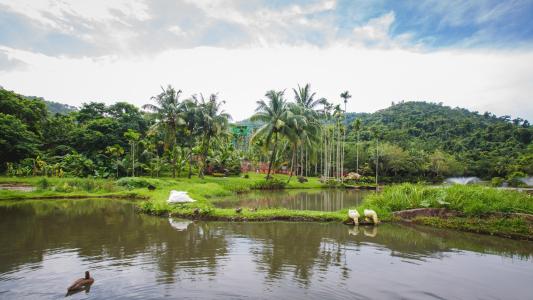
[(337, 114), (133, 137), (273, 113), (213, 122), (190, 131), (305, 99), (376, 136), (345, 96), (167, 114), (115, 151), (357, 128), (302, 129)]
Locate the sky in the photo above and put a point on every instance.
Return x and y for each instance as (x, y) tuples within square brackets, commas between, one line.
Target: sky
[(472, 54)]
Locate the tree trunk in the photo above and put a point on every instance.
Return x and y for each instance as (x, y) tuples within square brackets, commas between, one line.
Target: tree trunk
[(132, 159), (357, 153), (272, 155), (190, 162), (292, 163), (377, 162)]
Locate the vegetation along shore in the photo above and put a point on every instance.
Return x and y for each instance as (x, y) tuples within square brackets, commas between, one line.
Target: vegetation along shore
[(295, 139)]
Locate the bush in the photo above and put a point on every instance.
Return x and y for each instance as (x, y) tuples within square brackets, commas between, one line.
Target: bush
[(514, 179), (497, 181), (43, 184), (302, 179), (133, 182), (270, 184)]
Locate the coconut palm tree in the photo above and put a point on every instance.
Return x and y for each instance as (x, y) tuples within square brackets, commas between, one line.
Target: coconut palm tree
[(302, 129), (273, 113), (213, 122), (167, 114), (305, 98)]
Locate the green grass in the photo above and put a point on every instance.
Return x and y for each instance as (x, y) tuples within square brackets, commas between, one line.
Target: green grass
[(516, 228), (476, 203), (479, 206), (471, 200)]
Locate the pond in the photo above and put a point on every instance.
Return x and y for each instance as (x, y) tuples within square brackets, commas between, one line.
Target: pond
[(298, 199), (45, 245)]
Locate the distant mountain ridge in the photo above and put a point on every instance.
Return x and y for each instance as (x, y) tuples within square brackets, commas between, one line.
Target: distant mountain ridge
[(55, 107)]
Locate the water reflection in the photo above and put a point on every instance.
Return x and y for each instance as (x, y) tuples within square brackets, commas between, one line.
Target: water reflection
[(321, 200), (47, 243)]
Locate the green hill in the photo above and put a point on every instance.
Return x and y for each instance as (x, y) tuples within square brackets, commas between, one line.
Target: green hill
[(483, 144)]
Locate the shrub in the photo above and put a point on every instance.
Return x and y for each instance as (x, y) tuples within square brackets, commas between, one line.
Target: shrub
[(302, 179), (270, 184), (514, 179), (133, 182), (497, 181), (43, 184)]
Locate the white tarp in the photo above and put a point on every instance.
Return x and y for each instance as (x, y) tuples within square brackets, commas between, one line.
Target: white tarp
[(179, 197)]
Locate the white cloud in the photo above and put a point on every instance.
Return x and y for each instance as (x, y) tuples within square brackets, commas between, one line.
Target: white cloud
[(498, 81), (52, 12)]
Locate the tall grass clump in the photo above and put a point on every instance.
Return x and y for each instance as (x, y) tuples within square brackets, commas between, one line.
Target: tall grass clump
[(67, 185), (272, 184), (470, 200)]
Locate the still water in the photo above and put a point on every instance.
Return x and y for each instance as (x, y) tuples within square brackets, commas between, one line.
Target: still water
[(305, 199), (45, 245)]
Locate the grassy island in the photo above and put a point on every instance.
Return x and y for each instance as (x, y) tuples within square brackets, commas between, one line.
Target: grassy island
[(473, 208)]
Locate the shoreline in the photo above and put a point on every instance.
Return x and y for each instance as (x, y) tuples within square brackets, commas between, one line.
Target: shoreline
[(504, 222)]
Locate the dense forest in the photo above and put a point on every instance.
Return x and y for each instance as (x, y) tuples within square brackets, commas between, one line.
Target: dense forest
[(307, 136)]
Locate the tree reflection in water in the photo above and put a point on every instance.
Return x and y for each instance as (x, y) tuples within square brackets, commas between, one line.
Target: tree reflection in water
[(136, 255)]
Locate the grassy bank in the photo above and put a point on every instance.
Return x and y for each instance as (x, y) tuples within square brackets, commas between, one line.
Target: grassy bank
[(480, 209), (200, 189)]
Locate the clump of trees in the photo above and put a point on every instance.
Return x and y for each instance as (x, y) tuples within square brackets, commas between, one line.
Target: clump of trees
[(167, 137), (298, 131)]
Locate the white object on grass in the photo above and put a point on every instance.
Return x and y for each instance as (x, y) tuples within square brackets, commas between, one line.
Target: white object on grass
[(179, 197), (369, 213)]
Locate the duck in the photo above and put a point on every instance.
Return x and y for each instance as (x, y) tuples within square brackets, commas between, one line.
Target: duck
[(354, 215), (238, 210), (81, 283), (151, 187), (371, 214), (253, 209)]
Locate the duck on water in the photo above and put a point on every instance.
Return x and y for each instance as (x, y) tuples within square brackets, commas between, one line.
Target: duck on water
[(80, 284)]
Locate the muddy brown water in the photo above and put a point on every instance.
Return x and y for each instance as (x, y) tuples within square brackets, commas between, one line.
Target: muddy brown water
[(46, 245)]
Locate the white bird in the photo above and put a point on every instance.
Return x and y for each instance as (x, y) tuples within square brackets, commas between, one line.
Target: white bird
[(370, 213), (354, 215), (179, 197)]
